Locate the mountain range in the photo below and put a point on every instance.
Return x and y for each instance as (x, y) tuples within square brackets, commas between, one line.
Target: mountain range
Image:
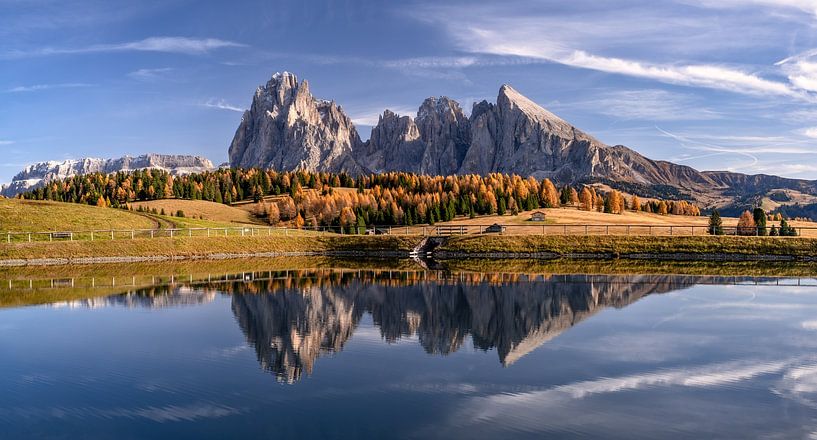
[(286, 128), (38, 174)]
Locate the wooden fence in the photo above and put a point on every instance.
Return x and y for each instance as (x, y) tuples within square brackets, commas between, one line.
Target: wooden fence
[(421, 231)]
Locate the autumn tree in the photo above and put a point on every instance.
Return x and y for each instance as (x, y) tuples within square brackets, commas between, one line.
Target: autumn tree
[(273, 214), (550, 196), (586, 199), (746, 224)]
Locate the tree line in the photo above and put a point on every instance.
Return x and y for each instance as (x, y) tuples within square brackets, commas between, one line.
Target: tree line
[(339, 199), (753, 223)]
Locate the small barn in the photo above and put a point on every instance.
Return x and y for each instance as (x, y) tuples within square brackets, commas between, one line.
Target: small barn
[(537, 216)]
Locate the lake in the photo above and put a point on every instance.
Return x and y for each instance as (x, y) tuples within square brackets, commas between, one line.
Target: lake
[(374, 353)]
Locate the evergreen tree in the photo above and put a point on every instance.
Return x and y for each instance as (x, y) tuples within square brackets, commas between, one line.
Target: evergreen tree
[(760, 221), (715, 223)]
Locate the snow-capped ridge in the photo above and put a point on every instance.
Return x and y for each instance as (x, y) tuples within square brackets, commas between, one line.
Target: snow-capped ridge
[(36, 175)]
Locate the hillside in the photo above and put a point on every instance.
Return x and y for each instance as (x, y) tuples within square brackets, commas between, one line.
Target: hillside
[(36, 216), (200, 209)]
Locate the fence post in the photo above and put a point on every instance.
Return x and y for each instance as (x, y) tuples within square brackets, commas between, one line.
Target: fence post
[(607, 230), (111, 234), (286, 232), (132, 234), (92, 235), (543, 229), (190, 232), (151, 233), (72, 236), (29, 237), (171, 233), (670, 231), (585, 229)]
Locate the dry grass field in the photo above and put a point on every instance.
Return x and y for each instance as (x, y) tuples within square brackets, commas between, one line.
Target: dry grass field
[(561, 220), (35, 216), (199, 209)]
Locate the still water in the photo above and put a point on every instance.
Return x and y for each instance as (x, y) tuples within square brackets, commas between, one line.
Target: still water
[(419, 354)]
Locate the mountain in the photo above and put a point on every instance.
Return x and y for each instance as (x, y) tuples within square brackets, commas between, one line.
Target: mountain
[(36, 175), (288, 129)]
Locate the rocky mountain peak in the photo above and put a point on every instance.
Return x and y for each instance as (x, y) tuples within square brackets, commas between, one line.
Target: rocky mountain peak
[(442, 107), (509, 99), (287, 128)]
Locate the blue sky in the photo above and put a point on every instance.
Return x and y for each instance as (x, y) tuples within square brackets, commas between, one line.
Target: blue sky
[(715, 84)]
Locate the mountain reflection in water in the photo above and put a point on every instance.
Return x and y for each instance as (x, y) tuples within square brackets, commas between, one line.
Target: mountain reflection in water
[(291, 327), (291, 318)]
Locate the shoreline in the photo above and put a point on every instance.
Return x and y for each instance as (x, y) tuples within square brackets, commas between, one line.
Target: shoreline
[(505, 247)]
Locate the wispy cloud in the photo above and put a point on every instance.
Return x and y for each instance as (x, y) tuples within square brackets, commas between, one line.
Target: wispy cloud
[(38, 87), (4, 142), (181, 45), (149, 74), (647, 105), (222, 105), (700, 75), (537, 35), (528, 407), (808, 6)]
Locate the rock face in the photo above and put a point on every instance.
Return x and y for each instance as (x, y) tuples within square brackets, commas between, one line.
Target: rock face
[(37, 175), (288, 129)]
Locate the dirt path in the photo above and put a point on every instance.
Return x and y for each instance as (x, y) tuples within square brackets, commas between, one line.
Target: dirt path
[(158, 222)]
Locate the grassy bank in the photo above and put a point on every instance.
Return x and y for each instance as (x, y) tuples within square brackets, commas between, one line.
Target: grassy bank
[(623, 245), (568, 266), (31, 285), (186, 247)]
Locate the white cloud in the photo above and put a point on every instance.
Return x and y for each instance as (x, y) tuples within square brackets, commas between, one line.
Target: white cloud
[(810, 132), (647, 105), (596, 43), (222, 105), (701, 75), (149, 74), (809, 325), (808, 6), (38, 87), (529, 406), (5, 142), (183, 45)]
